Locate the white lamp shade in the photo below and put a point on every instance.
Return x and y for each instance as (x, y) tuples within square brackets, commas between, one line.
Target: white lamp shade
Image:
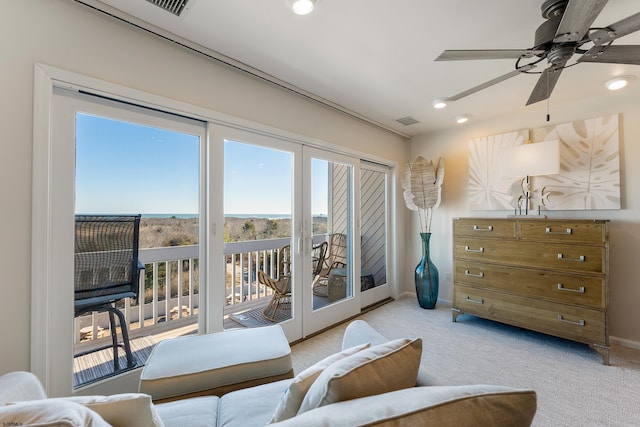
[(540, 158)]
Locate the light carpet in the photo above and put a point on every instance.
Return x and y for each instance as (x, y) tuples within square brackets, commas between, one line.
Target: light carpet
[(574, 388)]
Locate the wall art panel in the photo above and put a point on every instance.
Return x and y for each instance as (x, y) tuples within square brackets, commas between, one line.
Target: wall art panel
[(488, 190), (589, 165)]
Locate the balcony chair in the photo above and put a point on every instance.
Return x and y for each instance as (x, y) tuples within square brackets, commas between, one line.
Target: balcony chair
[(107, 270), (281, 286), (336, 258), (318, 255)]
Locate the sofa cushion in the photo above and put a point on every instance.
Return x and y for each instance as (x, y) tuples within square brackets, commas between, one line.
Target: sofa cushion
[(453, 406), (251, 406), (382, 368), (121, 410), (359, 332), (193, 412), (294, 394), (20, 386), (49, 412)]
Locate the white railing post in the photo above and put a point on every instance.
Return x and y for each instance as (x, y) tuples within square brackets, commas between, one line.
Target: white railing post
[(180, 289), (191, 285), (141, 297), (154, 309)]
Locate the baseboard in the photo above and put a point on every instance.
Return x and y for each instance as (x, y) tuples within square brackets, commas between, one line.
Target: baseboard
[(625, 342), (410, 294)]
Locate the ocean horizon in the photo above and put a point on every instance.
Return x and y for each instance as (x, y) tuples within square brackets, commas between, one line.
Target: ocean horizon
[(261, 216)]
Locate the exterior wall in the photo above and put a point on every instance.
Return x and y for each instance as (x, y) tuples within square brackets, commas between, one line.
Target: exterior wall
[(70, 36), (625, 223)]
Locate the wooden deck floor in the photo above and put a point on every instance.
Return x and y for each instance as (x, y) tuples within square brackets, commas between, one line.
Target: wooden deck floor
[(91, 366)]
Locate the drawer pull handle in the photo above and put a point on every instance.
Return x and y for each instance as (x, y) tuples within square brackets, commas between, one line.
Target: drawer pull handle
[(476, 301), (579, 259), (468, 249), (567, 231), (469, 273), (562, 319), (487, 228), (580, 290)]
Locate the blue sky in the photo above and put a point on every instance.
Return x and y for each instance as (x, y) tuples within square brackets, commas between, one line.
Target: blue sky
[(130, 168)]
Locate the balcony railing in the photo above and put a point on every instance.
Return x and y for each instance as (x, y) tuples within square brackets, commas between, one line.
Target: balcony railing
[(168, 296)]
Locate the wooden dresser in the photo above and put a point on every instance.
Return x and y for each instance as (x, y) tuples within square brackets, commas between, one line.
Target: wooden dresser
[(547, 275)]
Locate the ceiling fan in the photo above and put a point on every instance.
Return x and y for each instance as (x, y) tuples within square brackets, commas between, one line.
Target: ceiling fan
[(565, 32)]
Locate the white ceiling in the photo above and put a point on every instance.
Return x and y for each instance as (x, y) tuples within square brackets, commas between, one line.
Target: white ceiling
[(376, 57)]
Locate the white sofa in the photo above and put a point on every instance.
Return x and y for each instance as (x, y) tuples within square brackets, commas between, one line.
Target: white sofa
[(346, 389)]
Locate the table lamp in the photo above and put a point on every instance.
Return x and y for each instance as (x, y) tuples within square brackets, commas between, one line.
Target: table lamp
[(527, 160)]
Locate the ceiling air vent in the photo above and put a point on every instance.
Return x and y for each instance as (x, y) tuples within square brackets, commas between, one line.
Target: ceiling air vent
[(173, 6), (407, 121)]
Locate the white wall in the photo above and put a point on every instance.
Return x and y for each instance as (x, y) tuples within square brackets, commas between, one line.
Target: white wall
[(625, 223), (70, 36)]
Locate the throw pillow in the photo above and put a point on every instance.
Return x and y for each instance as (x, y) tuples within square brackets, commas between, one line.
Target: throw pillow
[(294, 394), (121, 410), (48, 412), (382, 368)]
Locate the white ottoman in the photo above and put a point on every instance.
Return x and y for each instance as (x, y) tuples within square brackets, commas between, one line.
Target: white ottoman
[(216, 363)]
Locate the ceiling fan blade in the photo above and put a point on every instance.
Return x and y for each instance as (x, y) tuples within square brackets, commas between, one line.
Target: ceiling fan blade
[(577, 18), (546, 83), (461, 55), (621, 28), (613, 54), (491, 82)]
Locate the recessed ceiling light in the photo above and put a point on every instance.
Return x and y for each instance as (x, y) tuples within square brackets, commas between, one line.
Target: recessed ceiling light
[(440, 103), (463, 118), (618, 82), (302, 7)]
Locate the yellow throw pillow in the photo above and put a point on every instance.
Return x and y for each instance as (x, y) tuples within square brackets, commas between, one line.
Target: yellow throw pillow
[(382, 368), (294, 394)]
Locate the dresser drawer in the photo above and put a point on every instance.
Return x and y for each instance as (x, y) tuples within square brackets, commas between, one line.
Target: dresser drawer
[(551, 256), (563, 231), (579, 324), (564, 288), (484, 227)]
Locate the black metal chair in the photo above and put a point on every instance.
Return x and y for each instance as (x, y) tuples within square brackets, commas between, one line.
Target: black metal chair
[(107, 270)]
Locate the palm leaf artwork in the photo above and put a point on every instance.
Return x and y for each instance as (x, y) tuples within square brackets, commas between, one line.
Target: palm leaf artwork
[(422, 184)]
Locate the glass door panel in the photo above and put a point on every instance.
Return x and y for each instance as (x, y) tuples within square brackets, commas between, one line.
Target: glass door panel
[(259, 235), (330, 261), (374, 233)]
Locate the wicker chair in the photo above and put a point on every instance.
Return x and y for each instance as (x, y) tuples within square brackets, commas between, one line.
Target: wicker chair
[(107, 270), (336, 258), (281, 286), (318, 255)]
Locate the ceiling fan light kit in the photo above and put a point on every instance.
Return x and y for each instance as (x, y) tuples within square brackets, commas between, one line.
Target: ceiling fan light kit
[(302, 7), (618, 82), (566, 29)]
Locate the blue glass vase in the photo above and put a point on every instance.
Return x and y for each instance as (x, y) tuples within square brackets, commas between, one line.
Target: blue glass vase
[(426, 277)]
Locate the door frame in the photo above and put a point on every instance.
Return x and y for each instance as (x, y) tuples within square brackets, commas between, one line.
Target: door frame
[(45, 360), (220, 134), (316, 320)]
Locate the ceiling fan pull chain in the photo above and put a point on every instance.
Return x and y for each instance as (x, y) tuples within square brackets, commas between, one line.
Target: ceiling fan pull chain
[(548, 96)]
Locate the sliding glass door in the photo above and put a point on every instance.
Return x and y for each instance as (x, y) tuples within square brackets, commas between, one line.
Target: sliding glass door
[(375, 231), (289, 247), (262, 267), (330, 247)]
